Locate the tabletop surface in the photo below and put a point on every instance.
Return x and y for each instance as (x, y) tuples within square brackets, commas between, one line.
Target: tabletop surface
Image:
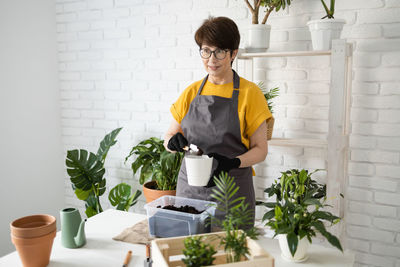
[(102, 250)]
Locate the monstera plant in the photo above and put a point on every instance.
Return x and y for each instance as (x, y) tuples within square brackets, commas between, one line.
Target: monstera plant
[(86, 171)]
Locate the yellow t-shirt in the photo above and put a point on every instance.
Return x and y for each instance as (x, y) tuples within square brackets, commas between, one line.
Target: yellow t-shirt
[(252, 106)]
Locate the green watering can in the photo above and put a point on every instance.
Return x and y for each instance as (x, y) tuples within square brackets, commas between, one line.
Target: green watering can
[(72, 228)]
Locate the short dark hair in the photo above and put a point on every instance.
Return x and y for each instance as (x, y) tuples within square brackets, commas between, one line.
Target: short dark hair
[(221, 32)]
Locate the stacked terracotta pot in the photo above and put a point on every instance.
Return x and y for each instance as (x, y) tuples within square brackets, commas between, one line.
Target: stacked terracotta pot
[(33, 238)]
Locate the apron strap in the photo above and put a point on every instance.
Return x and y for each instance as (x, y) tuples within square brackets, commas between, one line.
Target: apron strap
[(236, 84)]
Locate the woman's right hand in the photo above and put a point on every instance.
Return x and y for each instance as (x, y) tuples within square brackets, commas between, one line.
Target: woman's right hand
[(177, 142)]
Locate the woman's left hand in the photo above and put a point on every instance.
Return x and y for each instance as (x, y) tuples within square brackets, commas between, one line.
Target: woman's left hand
[(224, 165)]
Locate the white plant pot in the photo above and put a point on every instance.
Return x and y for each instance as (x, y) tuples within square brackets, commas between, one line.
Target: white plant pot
[(323, 31), (258, 38), (198, 169), (301, 252)]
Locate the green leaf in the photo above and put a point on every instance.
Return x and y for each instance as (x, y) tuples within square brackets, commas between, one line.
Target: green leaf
[(81, 194), (312, 201), (106, 143), (292, 242), (85, 170), (269, 215), (90, 212), (333, 240)]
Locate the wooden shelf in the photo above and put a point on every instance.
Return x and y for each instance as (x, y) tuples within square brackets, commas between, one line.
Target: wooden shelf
[(243, 55), (297, 142)]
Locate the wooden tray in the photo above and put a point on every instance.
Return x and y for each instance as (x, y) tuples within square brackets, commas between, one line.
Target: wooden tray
[(167, 252)]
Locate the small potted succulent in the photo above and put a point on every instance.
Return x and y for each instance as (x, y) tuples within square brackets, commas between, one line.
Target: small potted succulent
[(297, 213), (324, 30), (259, 34), (269, 95), (159, 168), (86, 171)]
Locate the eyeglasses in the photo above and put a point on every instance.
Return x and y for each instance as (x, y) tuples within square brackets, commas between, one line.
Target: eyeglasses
[(218, 53)]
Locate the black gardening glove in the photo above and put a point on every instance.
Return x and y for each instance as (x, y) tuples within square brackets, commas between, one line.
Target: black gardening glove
[(177, 142), (224, 165)]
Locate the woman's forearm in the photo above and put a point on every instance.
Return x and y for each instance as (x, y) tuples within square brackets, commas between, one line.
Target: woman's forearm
[(253, 156)]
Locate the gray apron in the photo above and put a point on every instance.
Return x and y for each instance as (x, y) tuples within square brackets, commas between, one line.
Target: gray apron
[(212, 123)]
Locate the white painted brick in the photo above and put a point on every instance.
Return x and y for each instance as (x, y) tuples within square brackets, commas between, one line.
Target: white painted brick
[(82, 85), (115, 13), (93, 76), (391, 59), (135, 86), (91, 95), (174, 5), (143, 53), (376, 129), (137, 21), (78, 45), (61, 27), (59, 8), (175, 30), (69, 76), (90, 55), (115, 54), (77, 66), (116, 34), (68, 17), (120, 115), (100, 4), (160, 19), (119, 75), (92, 114), (128, 2), (108, 85), (67, 36), (288, 22), (388, 171), (103, 65), (106, 105), (69, 95), (271, 63), (359, 194), (378, 45), (387, 224), (69, 113), (372, 209), (377, 183), (391, 30), (131, 43), (132, 106), (377, 74), (318, 100), (103, 124), (78, 26), (358, 245), (378, 102), (129, 64), (358, 219), (373, 260), (364, 31), (358, 4), (67, 56), (317, 126), (392, 3), (390, 89), (365, 88), (384, 249), (367, 59), (72, 7), (388, 198), (140, 116), (117, 96), (364, 115), (317, 62), (279, 36), (319, 75), (308, 112), (388, 15), (61, 47), (289, 46), (74, 123), (89, 15), (375, 156), (105, 44), (70, 131), (287, 75), (308, 87), (389, 143), (148, 9), (93, 132), (369, 234), (90, 35), (390, 116), (361, 168), (299, 34)]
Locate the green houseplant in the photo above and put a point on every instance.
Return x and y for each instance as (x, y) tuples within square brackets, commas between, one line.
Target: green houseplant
[(197, 253), (156, 165), (297, 211), (323, 30), (237, 222), (86, 171), (259, 34), (269, 95)]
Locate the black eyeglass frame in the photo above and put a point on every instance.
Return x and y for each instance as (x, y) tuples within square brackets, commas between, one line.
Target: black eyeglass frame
[(214, 52)]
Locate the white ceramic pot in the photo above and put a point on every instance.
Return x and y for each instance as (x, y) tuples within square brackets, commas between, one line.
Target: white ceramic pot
[(323, 31), (198, 169), (301, 252), (258, 38)]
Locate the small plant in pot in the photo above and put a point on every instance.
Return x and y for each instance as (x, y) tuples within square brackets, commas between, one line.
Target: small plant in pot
[(269, 95), (86, 171), (259, 34), (197, 253), (158, 167), (326, 29), (297, 213)]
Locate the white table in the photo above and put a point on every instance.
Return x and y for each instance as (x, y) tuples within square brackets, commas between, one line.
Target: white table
[(101, 250)]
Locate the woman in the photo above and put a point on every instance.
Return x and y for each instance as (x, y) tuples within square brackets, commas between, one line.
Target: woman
[(222, 114)]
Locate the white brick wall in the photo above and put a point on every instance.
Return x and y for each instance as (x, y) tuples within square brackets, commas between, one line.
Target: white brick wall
[(123, 62)]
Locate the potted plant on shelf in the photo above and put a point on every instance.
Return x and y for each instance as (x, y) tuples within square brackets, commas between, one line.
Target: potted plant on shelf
[(296, 214), (159, 168), (86, 171), (269, 95), (259, 34), (324, 30)]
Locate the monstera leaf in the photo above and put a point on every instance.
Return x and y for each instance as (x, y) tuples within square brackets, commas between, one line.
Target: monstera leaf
[(106, 143), (84, 169), (120, 196)]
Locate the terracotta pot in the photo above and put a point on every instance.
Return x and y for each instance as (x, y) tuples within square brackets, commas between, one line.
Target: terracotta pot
[(33, 226), (152, 194), (34, 252)]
